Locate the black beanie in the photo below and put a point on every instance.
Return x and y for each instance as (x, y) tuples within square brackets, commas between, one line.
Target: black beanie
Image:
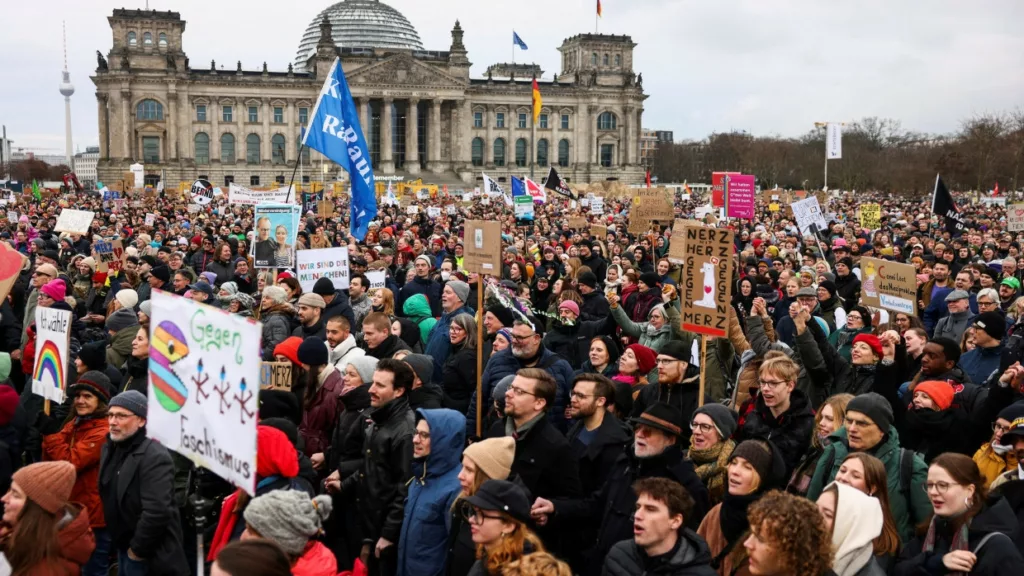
[(504, 315), (587, 279), (874, 406), (313, 352), (865, 315), (846, 261), (759, 454), (830, 286), (280, 404), (649, 278), (324, 287), (94, 356)]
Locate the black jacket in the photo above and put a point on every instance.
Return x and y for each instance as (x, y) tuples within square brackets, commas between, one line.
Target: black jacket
[(345, 455), (1013, 492), (684, 396), (460, 550), (387, 348), (318, 330), (690, 557), (613, 505), (848, 288), (136, 486), (340, 307), (790, 433), (595, 307), (458, 378), (596, 459), (382, 483), (573, 342), (428, 396)]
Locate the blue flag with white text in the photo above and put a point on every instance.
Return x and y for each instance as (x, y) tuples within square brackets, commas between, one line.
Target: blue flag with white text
[(518, 41), (334, 131)]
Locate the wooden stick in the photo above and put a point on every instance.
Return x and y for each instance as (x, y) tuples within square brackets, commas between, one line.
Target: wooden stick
[(703, 361), (479, 354)]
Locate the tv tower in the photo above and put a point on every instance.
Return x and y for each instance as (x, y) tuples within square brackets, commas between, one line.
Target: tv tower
[(67, 89)]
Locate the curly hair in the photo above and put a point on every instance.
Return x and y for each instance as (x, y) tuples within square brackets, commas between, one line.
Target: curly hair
[(537, 564), (794, 529)]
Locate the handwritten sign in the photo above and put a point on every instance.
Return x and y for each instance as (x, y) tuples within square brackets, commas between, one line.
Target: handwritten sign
[(807, 212), (74, 221), (275, 375), (110, 255), (707, 288), (50, 371), (1014, 217), (331, 263), (577, 223), (376, 278), (871, 216), (889, 285)]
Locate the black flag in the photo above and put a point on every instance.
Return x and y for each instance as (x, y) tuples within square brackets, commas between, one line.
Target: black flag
[(556, 184), (943, 205)]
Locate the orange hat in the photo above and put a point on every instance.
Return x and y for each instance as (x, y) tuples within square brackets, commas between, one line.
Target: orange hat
[(289, 348), (48, 484), (939, 391)]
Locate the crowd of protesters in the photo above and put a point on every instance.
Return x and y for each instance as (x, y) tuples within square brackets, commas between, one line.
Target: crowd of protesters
[(831, 438)]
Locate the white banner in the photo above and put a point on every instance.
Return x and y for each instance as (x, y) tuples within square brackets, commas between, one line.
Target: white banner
[(597, 205), (433, 211), (242, 195), (50, 371), (74, 221), (323, 263), (808, 212), (833, 141), (204, 376), (377, 278), (139, 174)]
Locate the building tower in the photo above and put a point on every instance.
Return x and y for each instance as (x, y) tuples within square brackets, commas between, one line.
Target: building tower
[(67, 89)]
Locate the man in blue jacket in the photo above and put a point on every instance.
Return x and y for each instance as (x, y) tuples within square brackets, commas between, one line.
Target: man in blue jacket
[(980, 363), (453, 302)]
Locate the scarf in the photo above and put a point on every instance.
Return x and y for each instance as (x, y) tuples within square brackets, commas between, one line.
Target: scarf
[(712, 466), (733, 517), (959, 541)]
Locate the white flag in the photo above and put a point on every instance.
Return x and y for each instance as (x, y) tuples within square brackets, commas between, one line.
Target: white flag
[(833, 141), (491, 187)]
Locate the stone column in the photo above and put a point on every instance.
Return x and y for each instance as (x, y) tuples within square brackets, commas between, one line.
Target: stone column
[(291, 133), (171, 152), (241, 112), (128, 133), (555, 122), (101, 113), (591, 132), (213, 114), (364, 118), (412, 136), (628, 142), (489, 121), (267, 112), (387, 163), (434, 142), (465, 133)]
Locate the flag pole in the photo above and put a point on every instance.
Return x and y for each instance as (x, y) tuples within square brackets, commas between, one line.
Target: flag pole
[(533, 138)]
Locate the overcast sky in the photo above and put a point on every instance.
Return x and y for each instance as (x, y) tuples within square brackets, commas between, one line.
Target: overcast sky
[(764, 66)]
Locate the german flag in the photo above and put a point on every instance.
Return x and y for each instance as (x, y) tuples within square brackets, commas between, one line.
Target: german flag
[(598, 7), (537, 101)]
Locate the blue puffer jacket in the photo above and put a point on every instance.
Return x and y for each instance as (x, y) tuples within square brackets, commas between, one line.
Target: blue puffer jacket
[(980, 363), (432, 491), (439, 343)]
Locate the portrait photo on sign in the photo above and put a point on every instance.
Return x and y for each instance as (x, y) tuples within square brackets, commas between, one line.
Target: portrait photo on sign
[(277, 226)]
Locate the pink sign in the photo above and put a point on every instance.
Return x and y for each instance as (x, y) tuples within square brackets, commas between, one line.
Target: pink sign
[(741, 196)]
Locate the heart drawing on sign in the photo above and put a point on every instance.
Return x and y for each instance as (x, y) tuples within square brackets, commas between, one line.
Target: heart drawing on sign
[(10, 261)]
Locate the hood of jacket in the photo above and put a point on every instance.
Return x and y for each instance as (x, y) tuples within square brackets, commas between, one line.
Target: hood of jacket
[(447, 440), (798, 406), (316, 560), (74, 538), (417, 307), (347, 345), (996, 516)]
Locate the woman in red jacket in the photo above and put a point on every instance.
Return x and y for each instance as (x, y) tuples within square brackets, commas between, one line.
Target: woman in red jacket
[(78, 440)]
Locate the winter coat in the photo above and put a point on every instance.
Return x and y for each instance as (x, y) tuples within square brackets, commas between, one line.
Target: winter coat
[(318, 419), (417, 309), (339, 306), (848, 288), (906, 514), (432, 492), (998, 557), (955, 429), (682, 395), (594, 307), (429, 288), (543, 460), (991, 464), (711, 531), (646, 335), (439, 342), (80, 442), (316, 560), (139, 506), (75, 545), (277, 326), (691, 558), (790, 432), (458, 378), (847, 377), (829, 309), (953, 326), (596, 459), (383, 480), (980, 363), (343, 354), (573, 342), (120, 347), (387, 348), (503, 364)]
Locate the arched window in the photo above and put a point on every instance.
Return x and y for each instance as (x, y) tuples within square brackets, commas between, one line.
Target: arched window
[(606, 121), (147, 39), (202, 154), (162, 40), (227, 148), (149, 110), (132, 39), (618, 59), (563, 153), (605, 60), (303, 153), (593, 59), (277, 149), (521, 152), (542, 152), (252, 149), (499, 152), (478, 151)]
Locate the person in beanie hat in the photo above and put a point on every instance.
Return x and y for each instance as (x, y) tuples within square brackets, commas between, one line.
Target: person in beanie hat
[(711, 445), (983, 361), (995, 459), (422, 283), (79, 439), (500, 514), (93, 356), (277, 316), (319, 391), (858, 322), (136, 486), (121, 326), (290, 519), (37, 506), (127, 298), (454, 299)]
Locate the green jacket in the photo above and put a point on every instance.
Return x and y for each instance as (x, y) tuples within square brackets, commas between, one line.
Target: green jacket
[(120, 347), (417, 309), (842, 340), (653, 339), (906, 514)]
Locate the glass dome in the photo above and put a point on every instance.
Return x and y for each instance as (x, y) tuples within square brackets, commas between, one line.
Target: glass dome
[(360, 24)]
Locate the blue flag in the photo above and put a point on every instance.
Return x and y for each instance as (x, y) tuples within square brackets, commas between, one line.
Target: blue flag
[(334, 131), (518, 41), (518, 188)]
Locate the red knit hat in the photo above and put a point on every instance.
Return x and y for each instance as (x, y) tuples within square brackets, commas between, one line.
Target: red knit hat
[(872, 341), (289, 349), (8, 404), (645, 357), (939, 391), (48, 484), (275, 454)]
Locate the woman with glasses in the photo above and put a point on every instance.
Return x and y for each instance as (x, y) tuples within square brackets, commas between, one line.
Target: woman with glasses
[(969, 532), (458, 374), (754, 468), (711, 448), (499, 518), (858, 321)]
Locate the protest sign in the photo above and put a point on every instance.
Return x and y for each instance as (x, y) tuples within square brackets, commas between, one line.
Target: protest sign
[(871, 216), (433, 211), (11, 262), (275, 375), (889, 285), (310, 201), (482, 243), (807, 212), (741, 196), (50, 371), (773, 207), (677, 244), (150, 219), (451, 209), (598, 231), (204, 376), (201, 192), (718, 188), (240, 195), (597, 205), (193, 208), (74, 221), (412, 209), (331, 263), (707, 290), (648, 207), (109, 255), (1014, 217), (524, 207), (12, 215), (577, 223), (277, 226), (325, 209), (376, 278)]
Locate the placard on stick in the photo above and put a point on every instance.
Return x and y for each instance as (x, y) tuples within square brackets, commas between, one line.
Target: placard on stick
[(889, 285), (707, 289), (482, 247)]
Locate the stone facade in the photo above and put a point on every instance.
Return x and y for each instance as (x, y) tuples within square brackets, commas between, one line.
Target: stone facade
[(421, 112)]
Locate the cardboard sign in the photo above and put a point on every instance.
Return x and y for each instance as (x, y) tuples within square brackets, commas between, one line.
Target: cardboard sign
[(808, 212), (275, 376), (331, 263), (889, 285), (577, 223), (482, 243), (741, 196), (871, 216), (598, 231), (325, 209), (50, 371), (1014, 217), (647, 209), (707, 288), (377, 278), (110, 255), (74, 221), (677, 247)]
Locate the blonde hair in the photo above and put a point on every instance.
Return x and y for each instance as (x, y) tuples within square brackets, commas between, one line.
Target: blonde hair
[(781, 367), (838, 403), (537, 564), (510, 547), (389, 300)]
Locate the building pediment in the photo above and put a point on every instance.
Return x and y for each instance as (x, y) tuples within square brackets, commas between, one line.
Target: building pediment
[(403, 70)]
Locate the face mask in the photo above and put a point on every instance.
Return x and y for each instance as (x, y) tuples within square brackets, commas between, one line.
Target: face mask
[(445, 275), (1000, 449)]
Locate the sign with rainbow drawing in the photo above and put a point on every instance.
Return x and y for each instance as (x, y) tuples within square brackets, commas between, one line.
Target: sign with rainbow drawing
[(204, 380), (50, 371)]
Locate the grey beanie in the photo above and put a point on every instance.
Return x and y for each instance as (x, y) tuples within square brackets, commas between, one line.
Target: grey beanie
[(874, 406), (725, 418), (288, 517), (147, 307), (132, 401), (461, 289), (122, 318), (364, 365), (422, 365), (498, 394)]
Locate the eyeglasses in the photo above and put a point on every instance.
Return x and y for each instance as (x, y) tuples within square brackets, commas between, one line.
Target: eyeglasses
[(939, 487), (119, 417), (474, 516), (985, 304), (422, 435), (996, 427), (665, 361), (771, 383), (517, 391), (522, 338), (455, 328), (580, 395), (705, 428)]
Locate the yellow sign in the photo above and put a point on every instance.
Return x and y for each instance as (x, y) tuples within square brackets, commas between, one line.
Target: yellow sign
[(871, 216), (773, 207)]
